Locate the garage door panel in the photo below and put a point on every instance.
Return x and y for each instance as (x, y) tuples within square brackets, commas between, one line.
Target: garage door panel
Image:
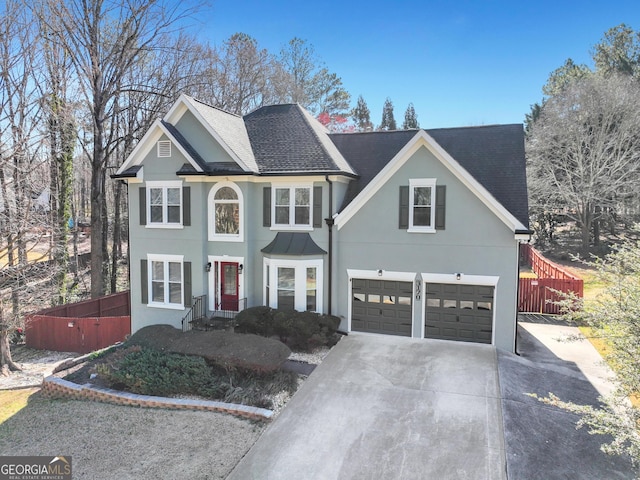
[(382, 306), (459, 312)]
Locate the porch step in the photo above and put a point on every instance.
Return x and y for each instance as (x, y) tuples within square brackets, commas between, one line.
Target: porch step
[(213, 323)]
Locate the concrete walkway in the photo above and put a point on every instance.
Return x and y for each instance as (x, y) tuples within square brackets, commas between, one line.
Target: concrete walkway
[(383, 407)]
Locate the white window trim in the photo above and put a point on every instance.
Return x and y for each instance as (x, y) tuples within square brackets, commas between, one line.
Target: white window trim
[(165, 259), (164, 185), (452, 278), (422, 182), (291, 225), (162, 144), (300, 267), (219, 237), (214, 290)]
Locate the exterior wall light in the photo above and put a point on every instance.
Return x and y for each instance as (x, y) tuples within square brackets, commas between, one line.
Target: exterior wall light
[(240, 268), (380, 272), (458, 275), (207, 267)]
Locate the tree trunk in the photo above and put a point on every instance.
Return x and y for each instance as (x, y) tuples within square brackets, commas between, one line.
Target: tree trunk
[(98, 202), (116, 249), (6, 363), (586, 221)]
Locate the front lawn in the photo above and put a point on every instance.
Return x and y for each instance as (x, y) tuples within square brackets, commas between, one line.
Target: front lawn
[(12, 401)]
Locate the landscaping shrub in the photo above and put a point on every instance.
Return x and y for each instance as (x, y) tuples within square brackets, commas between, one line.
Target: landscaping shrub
[(257, 320), (148, 371), (299, 330), (227, 349), (152, 372)]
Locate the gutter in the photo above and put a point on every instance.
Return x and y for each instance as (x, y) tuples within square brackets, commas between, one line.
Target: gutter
[(329, 221)]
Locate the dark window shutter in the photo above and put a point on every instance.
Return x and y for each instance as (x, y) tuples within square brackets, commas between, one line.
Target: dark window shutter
[(441, 200), (143, 205), (144, 282), (317, 207), (403, 223), (186, 206), (266, 207), (186, 274)]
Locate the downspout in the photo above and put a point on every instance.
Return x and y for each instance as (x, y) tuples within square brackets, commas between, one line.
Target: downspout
[(515, 342), (329, 221)]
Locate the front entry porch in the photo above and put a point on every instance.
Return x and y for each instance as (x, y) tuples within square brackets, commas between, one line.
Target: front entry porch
[(200, 317)]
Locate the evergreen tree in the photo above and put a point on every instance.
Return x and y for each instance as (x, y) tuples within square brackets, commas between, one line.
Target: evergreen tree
[(362, 116), (388, 122), (410, 118)]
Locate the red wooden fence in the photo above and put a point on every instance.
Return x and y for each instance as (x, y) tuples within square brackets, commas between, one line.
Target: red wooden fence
[(536, 294), (81, 327)]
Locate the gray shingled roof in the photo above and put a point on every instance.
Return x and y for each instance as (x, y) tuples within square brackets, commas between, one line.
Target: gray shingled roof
[(493, 155), (293, 243), (284, 140), (231, 130)]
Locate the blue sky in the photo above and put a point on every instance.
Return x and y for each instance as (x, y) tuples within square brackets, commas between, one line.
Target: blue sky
[(460, 62)]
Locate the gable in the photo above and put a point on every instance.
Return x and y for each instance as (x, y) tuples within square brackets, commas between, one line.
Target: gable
[(490, 165), (200, 140), (146, 149), (385, 219)]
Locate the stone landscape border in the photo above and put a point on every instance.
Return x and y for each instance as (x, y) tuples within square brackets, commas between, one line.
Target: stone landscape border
[(54, 387)]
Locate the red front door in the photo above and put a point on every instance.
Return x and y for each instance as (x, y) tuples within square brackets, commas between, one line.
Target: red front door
[(228, 286)]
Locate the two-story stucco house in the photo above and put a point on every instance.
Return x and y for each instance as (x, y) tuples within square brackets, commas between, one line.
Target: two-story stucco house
[(411, 233)]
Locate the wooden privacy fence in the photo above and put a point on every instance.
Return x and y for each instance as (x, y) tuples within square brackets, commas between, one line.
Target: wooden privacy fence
[(81, 327), (537, 294)]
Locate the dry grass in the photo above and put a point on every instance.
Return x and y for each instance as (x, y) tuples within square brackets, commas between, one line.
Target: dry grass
[(12, 401), (527, 272), (111, 441)]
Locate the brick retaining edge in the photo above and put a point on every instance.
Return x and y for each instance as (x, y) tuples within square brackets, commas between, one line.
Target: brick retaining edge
[(54, 387)]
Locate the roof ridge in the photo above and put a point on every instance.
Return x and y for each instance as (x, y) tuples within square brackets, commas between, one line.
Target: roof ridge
[(308, 118), (470, 127), (212, 106)]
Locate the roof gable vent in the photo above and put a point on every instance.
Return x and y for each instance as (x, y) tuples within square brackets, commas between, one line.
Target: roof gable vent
[(164, 148)]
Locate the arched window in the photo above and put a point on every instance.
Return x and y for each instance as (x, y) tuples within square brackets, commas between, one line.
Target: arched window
[(225, 213)]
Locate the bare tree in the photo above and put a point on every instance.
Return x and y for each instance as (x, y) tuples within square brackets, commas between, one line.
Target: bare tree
[(62, 144), (235, 76), (302, 78), (106, 39), (583, 151), (23, 220)]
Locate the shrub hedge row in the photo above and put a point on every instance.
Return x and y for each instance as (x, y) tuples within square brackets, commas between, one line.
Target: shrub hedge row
[(298, 330), (148, 371)]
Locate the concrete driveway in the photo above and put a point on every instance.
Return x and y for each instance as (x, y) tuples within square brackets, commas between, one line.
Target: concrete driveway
[(383, 407), (542, 441)]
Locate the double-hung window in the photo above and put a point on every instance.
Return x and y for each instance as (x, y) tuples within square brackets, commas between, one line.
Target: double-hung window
[(164, 204), (166, 282), (292, 206), (422, 202)]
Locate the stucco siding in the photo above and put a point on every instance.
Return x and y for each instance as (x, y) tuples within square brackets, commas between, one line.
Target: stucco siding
[(474, 242), (200, 139), (186, 241)]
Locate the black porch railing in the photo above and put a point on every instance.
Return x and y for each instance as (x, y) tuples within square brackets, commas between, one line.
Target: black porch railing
[(196, 313), (199, 318)]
